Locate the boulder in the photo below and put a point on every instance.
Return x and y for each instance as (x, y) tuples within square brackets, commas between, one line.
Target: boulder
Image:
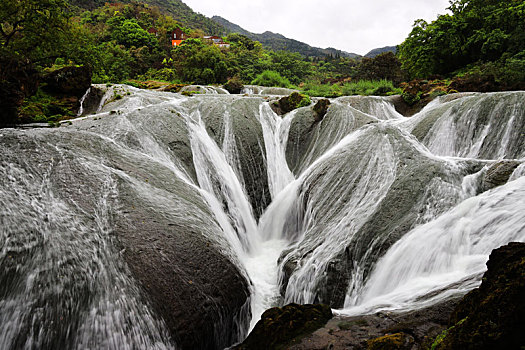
[(70, 80), (498, 174), (289, 103), (383, 330), (234, 85), (321, 108), (18, 80), (492, 316), (279, 327)]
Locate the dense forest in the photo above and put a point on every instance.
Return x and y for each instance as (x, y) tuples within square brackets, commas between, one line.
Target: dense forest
[(482, 40)]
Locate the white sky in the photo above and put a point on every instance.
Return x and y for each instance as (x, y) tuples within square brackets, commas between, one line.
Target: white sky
[(351, 25)]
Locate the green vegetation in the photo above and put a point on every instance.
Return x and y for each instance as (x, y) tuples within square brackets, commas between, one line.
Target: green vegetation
[(271, 78), (44, 108), (480, 45), (361, 87), (480, 37)]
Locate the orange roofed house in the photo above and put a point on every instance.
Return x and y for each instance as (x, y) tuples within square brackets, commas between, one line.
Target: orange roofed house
[(177, 36)]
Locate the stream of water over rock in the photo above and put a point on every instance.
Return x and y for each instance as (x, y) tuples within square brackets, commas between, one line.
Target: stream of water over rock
[(168, 222)]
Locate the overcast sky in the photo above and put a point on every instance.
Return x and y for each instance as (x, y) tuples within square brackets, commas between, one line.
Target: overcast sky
[(350, 25)]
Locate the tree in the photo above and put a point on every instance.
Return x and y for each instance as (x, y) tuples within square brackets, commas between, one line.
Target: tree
[(384, 66), (199, 63), (478, 31), (33, 30), (129, 33)]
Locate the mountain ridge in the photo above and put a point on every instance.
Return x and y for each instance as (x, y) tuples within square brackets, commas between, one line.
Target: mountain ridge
[(277, 42)]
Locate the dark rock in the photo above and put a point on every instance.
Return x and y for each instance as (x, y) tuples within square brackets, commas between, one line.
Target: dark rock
[(320, 108), (384, 330), (492, 316), (234, 85), (279, 327), (70, 80), (18, 80), (11, 98), (289, 103), (92, 100), (498, 174)]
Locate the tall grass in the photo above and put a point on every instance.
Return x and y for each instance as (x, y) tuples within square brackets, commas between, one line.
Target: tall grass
[(362, 87), (272, 79)]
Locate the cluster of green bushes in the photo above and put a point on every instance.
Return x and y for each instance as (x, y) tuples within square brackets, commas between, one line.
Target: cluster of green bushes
[(479, 37), (362, 87)]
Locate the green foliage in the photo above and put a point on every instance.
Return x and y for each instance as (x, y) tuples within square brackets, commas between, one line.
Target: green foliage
[(129, 33), (478, 31), (34, 30), (290, 65), (199, 63), (272, 79), (384, 66), (305, 101), (362, 87), (163, 74), (43, 108)]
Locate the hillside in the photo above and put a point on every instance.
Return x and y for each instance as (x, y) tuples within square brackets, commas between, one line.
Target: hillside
[(174, 8), (277, 42), (376, 52)]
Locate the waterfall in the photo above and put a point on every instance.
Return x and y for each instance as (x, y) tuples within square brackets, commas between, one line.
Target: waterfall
[(166, 221), (456, 246), (82, 99)]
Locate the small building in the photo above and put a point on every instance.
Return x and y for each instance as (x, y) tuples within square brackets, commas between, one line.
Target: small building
[(177, 37), (153, 31), (217, 41)]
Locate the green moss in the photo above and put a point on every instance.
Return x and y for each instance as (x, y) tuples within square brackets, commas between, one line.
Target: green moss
[(439, 339), (390, 342)]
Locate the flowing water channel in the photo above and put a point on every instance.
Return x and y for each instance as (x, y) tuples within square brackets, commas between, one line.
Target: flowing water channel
[(168, 222)]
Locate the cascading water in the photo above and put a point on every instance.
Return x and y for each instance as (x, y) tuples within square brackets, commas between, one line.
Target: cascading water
[(167, 221)]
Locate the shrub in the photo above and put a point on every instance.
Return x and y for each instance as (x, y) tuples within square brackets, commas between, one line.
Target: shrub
[(271, 79)]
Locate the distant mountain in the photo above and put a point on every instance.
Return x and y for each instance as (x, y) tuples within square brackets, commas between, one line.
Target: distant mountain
[(278, 42), (174, 8), (378, 51)]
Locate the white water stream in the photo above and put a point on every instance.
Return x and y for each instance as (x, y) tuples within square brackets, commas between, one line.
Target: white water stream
[(379, 212)]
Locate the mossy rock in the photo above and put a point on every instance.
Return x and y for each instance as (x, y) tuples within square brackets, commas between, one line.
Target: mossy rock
[(397, 341), (321, 108), (289, 103), (492, 316), (234, 85), (279, 327)]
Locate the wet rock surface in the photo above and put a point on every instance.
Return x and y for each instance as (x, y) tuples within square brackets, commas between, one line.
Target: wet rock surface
[(241, 121), (498, 174), (310, 137), (385, 330), (337, 186), (278, 327), (492, 316)]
